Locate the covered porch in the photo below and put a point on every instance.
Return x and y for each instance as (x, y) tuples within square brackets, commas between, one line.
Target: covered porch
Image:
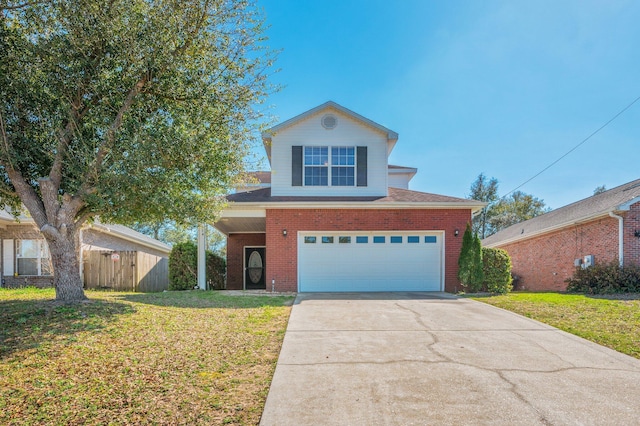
[(245, 230)]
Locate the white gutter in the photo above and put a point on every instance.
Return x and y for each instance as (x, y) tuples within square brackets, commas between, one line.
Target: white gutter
[(543, 231), (351, 205), (620, 237), (160, 246)]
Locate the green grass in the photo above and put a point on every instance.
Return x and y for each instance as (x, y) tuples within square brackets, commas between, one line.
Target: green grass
[(129, 358), (614, 323)]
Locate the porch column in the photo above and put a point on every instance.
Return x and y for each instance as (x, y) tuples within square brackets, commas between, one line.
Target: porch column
[(202, 258)]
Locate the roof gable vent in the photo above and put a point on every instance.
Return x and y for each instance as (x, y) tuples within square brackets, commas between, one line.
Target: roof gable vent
[(329, 121)]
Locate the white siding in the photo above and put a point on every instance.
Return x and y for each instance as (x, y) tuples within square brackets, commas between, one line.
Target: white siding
[(399, 180), (310, 132), (7, 257)]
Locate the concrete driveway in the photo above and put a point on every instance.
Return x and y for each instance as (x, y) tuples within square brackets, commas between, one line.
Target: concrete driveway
[(422, 359)]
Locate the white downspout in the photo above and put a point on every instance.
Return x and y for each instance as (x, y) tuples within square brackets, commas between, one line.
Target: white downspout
[(620, 237)]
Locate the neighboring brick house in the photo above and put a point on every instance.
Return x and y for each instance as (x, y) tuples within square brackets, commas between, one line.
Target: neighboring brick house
[(333, 215), (25, 256), (546, 249)]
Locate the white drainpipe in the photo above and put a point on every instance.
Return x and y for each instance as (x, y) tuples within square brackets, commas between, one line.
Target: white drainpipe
[(620, 237)]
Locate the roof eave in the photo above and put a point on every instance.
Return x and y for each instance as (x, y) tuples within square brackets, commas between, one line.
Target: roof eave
[(267, 135), (352, 205), (550, 229), (105, 229)]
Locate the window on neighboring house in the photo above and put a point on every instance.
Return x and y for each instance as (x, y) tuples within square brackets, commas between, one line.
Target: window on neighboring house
[(343, 161), (316, 166), (33, 258)]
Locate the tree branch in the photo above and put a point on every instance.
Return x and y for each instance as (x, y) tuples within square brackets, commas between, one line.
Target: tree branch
[(196, 30), (27, 195), (110, 137), (6, 145), (83, 217), (76, 112), (23, 5), (49, 193)]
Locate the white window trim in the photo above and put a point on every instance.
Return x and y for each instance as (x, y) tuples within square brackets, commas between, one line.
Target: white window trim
[(41, 243), (330, 165)]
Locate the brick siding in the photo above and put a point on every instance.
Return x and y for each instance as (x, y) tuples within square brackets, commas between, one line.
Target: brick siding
[(91, 240), (282, 253), (22, 232), (631, 242), (545, 262), (235, 257)]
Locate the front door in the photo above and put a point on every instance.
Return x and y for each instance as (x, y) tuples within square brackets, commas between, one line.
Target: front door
[(254, 268)]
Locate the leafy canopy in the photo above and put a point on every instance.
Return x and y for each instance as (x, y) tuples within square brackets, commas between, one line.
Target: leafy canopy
[(130, 108), (501, 212)]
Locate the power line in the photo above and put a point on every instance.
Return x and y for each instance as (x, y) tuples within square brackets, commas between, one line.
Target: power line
[(574, 148)]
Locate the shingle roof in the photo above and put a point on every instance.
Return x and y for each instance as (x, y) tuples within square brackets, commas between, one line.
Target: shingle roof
[(396, 195), (131, 235), (586, 209), (261, 176)]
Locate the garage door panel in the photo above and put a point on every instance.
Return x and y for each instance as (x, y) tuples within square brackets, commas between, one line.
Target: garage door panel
[(371, 266)]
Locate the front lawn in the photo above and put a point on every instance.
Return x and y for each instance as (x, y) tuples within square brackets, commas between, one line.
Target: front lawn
[(607, 321), (129, 358)]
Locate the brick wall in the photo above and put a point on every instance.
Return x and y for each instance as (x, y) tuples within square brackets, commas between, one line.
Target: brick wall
[(282, 254), (631, 242), (22, 232), (545, 262), (235, 257)]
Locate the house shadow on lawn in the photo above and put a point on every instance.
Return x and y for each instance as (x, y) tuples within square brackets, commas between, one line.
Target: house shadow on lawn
[(198, 299), (616, 296), (31, 324)]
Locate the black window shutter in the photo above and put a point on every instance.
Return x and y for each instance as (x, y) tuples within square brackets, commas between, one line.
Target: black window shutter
[(361, 172), (296, 166)]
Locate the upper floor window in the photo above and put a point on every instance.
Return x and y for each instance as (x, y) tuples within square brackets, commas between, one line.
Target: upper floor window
[(343, 161), (328, 166), (33, 258), (317, 167)]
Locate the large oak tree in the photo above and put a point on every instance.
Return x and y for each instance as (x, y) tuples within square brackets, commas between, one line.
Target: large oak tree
[(124, 109)]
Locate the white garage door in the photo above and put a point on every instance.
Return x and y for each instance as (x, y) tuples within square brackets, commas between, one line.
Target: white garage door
[(373, 261)]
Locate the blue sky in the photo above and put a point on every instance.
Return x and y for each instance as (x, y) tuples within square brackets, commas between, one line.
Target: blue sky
[(499, 87)]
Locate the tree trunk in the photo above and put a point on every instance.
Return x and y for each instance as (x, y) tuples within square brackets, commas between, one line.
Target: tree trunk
[(65, 250)]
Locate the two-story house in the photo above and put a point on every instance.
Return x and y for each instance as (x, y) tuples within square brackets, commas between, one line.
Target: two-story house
[(334, 216)]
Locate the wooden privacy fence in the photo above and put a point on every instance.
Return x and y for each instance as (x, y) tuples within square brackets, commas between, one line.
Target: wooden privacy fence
[(125, 271)]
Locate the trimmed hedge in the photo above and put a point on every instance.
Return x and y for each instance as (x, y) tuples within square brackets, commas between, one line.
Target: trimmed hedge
[(606, 278), (216, 271), (183, 268), (496, 265)]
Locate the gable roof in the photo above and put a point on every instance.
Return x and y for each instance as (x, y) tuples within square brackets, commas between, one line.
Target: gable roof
[(126, 233), (396, 197), (614, 200), (119, 231), (392, 136)]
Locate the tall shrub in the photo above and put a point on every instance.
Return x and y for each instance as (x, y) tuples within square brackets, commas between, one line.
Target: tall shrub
[(183, 266), (470, 262), (216, 271), (497, 270)]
